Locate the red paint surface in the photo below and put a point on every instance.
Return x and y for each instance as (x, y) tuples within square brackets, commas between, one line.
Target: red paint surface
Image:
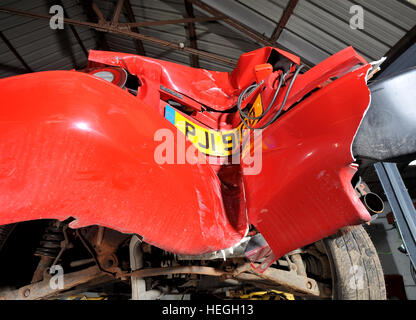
[(304, 190), (74, 145)]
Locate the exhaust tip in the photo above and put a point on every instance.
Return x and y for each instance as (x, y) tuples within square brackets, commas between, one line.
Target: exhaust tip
[(373, 203)]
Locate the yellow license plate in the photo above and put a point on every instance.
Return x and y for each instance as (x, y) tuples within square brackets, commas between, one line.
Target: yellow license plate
[(212, 142)]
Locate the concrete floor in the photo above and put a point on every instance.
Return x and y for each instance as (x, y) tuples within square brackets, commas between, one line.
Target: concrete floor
[(386, 239)]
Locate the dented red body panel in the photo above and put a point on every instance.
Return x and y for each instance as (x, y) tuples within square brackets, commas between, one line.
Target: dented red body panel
[(304, 188), (73, 145), (86, 150)]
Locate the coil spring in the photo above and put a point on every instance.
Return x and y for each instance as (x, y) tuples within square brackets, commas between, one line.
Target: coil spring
[(51, 241)]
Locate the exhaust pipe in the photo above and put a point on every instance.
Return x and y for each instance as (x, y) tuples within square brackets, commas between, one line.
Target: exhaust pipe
[(373, 203)]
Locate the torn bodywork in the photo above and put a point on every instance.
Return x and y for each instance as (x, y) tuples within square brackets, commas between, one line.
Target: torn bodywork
[(78, 144)]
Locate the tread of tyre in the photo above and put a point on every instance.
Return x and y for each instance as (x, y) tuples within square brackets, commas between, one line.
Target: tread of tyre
[(355, 265)]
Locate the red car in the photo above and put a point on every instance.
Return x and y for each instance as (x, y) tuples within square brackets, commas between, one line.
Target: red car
[(159, 176)]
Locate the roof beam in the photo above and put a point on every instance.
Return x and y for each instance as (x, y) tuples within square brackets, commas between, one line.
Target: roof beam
[(256, 36), (116, 30), (163, 22), (14, 51), (88, 9), (192, 33), (287, 13), (74, 31), (253, 34), (131, 18), (98, 12), (117, 12)]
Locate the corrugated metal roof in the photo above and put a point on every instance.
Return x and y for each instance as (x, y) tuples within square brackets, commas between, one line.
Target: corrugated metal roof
[(315, 30), (41, 47)]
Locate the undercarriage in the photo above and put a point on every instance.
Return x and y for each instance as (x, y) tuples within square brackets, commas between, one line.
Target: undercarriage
[(48, 260)]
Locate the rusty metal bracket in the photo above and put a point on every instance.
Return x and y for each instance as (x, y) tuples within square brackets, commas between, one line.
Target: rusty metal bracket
[(107, 26), (290, 280), (43, 289)]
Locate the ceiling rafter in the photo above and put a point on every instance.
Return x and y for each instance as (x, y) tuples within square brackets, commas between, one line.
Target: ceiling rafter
[(164, 22), (105, 27), (117, 12), (131, 18), (74, 31), (98, 12), (14, 51), (251, 33), (287, 13), (192, 33), (88, 9), (256, 36)]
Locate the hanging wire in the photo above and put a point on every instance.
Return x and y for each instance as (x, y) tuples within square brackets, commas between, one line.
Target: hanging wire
[(251, 89)]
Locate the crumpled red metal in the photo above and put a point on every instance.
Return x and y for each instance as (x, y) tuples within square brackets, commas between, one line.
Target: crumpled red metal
[(74, 145)]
